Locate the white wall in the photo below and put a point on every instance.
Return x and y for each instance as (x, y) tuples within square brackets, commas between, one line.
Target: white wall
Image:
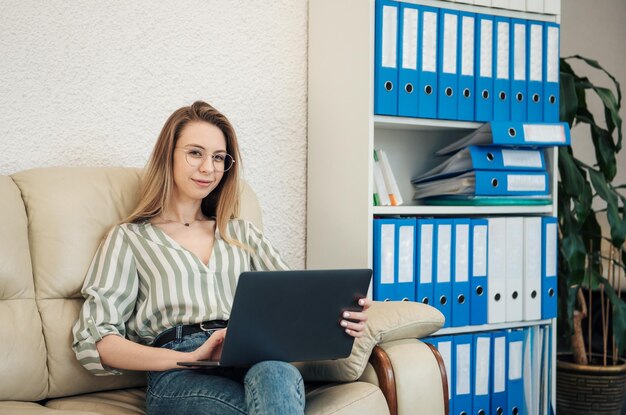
[(596, 30), (91, 84)]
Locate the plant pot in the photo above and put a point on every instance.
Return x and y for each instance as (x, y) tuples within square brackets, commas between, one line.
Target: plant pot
[(589, 389)]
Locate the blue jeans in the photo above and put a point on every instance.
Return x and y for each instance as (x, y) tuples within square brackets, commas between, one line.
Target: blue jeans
[(269, 387)]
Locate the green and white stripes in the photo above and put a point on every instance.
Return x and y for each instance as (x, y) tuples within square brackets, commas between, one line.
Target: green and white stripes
[(142, 282)]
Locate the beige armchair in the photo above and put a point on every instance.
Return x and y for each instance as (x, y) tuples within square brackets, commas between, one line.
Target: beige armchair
[(51, 222)]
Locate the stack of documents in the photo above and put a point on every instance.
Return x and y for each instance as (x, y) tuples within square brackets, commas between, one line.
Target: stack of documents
[(486, 183), (476, 157), (499, 159)]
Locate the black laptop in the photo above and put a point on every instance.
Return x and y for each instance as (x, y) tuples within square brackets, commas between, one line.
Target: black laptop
[(290, 316)]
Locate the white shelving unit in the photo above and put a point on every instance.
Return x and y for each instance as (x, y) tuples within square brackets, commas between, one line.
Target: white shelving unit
[(343, 132)]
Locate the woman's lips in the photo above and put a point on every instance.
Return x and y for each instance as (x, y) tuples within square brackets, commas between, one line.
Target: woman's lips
[(202, 183)]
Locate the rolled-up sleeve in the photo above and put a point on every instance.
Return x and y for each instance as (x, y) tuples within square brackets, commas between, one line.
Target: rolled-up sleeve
[(110, 292), (264, 256)]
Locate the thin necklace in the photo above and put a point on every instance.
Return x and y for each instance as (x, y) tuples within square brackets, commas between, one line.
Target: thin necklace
[(182, 223)]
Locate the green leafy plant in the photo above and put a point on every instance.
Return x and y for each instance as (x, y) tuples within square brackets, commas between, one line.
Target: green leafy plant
[(583, 265)]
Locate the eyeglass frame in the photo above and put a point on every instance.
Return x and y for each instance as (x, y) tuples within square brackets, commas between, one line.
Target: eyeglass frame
[(206, 156)]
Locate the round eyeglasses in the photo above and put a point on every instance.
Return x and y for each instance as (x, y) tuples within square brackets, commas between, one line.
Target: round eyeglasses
[(221, 161)]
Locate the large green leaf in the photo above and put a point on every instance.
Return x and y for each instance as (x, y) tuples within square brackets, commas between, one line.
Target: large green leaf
[(568, 97), (596, 65), (611, 111), (604, 147), (617, 223), (573, 249), (601, 187), (571, 177), (611, 107)]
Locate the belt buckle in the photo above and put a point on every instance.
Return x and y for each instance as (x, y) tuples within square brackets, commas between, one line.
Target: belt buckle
[(209, 331)]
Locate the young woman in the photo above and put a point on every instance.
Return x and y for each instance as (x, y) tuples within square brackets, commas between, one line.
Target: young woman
[(160, 288)]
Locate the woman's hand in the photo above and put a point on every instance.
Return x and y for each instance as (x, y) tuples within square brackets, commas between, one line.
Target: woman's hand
[(212, 348), (354, 322)]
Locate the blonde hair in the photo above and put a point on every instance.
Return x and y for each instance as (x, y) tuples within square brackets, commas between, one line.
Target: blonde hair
[(157, 182)]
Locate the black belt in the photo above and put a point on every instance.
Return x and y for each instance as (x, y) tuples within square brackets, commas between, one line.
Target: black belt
[(170, 334)]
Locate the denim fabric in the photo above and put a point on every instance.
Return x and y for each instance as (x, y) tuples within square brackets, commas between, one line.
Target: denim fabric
[(266, 388)]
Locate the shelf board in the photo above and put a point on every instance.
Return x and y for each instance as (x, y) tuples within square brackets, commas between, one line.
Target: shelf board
[(494, 11), (421, 124), (428, 210), (491, 327)]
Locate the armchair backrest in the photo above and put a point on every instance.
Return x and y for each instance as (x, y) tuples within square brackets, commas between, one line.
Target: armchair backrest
[(51, 223)]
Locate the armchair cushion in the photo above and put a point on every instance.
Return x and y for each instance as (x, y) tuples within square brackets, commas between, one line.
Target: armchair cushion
[(387, 321)]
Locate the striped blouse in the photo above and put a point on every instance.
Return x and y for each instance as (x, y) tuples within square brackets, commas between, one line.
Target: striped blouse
[(142, 282)]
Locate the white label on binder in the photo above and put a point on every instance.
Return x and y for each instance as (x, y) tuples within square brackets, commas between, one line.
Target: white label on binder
[(482, 365), (544, 133), (444, 252), (463, 374), (409, 39), (519, 52), (499, 370), (461, 253), (445, 350), (553, 54), (551, 250), (386, 256), (479, 259), (521, 158), (486, 47), (536, 52), (526, 182), (390, 36), (405, 254), (467, 43), (449, 43), (515, 360), (503, 50), (426, 254), (429, 42)]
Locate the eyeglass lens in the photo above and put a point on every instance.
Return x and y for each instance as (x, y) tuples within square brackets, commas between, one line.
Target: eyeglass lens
[(221, 161)]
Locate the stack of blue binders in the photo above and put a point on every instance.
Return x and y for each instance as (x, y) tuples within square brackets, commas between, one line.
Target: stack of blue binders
[(501, 159)]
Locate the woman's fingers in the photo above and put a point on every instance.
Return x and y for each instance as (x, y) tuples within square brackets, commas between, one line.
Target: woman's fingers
[(365, 303), (353, 326), (357, 316), (212, 346), (354, 322)]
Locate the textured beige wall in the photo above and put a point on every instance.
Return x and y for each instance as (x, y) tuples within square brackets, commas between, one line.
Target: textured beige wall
[(596, 30), (91, 84)]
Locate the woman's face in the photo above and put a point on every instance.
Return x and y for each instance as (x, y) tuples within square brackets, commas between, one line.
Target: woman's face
[(194, 173)]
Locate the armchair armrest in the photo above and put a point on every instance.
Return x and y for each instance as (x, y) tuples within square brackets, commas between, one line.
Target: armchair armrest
[(412, 377), (387, 322)]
